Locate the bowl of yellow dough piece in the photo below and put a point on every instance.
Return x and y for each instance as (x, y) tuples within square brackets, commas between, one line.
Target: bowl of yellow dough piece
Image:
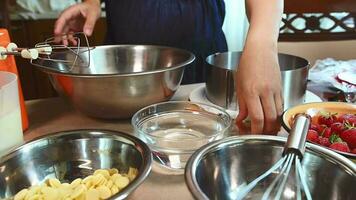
[(78, 165)]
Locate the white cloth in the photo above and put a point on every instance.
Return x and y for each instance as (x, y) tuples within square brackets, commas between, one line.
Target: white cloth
[(326, 71), (43, 6)]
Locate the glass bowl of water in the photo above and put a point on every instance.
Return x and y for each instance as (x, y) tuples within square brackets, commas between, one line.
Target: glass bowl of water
[(175, 129)]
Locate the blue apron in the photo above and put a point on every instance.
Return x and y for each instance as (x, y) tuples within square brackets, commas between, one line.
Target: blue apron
[(194, 25)]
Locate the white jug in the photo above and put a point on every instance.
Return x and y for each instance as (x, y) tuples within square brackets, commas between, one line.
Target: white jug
[(10, 114)]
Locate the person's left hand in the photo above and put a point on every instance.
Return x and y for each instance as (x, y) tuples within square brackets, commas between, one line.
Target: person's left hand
[(259, 90)]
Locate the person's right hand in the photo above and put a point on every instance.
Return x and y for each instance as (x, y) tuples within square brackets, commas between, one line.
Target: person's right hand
[(78, 18)]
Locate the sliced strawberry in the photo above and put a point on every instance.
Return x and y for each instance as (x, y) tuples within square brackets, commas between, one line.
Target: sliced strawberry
[(349, 136), (324, 141), (313, 136), (340, 146)]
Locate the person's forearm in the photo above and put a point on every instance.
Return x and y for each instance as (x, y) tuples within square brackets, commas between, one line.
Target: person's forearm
[(264, 17)]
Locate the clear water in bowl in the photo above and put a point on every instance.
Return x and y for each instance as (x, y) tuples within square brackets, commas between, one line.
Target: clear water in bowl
[(174, 136)]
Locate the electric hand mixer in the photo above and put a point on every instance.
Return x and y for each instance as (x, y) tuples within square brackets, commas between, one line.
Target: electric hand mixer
[(43, 54)]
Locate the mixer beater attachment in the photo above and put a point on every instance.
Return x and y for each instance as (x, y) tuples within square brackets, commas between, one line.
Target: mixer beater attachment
[(292, 155), (60, 53)]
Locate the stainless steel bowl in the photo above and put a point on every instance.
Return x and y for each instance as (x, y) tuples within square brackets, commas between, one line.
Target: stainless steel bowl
[(73, 154), (217, 170), (121, 79), (220, 83)]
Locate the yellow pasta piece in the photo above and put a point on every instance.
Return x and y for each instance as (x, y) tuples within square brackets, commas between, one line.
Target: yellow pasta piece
[(78, 191), (109, 184), (97, 179), (103, 172), (104, 192), (92, 194), (75, 183), (122, 182), (114, 189), (50, 193), (29, 194), (87, 179), (103, 184), (113, 171), (21, 195), (34, 197), (53, 182)]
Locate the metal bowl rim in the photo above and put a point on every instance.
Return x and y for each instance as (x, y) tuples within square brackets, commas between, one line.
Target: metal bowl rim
[(229, 121), (146, 153), (240, 52), (190, 169), (79, 75)]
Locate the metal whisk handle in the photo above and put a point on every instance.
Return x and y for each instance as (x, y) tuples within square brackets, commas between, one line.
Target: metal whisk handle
[(298, 135)]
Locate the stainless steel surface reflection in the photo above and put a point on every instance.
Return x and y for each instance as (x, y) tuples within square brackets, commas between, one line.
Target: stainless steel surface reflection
[(73, 154), (121, 79), (219, 169), (220, 83)]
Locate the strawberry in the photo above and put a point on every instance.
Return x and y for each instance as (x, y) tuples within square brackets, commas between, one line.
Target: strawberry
[(315, 127), (350, 118), (353, 151), (340, 146), (349, 136), (313, 136), (334, 138), (324, 141), (326, 132), (337, 128), (327, 118)]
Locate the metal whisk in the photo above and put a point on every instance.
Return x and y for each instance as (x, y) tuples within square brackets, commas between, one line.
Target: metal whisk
[(60, 53), (292, 156)]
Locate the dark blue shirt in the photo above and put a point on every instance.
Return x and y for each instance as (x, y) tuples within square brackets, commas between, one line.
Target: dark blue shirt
[(194, 25)]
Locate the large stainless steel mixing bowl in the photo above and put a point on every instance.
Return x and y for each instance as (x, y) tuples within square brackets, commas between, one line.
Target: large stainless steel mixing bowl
[(220, 83), (72, 154), (217, 170), (121, 79)]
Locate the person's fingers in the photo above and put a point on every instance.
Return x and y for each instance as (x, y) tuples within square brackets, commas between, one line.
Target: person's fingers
[(71, 38), (243, 112), (64, 18), (270, 113), (65, 36), (255, 113), (89, 23), (59, 26), (278, 98)]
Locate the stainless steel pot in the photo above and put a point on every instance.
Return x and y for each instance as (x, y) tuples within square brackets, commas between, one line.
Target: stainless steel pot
[(121, 79), (220, 84), (73, 154), (218, 169)]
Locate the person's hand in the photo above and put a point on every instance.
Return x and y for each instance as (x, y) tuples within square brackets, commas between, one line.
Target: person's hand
[(259, 90), (78, 18)]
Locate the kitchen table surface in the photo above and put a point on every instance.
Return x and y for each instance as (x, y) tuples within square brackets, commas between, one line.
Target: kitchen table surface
[(55, 114)]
